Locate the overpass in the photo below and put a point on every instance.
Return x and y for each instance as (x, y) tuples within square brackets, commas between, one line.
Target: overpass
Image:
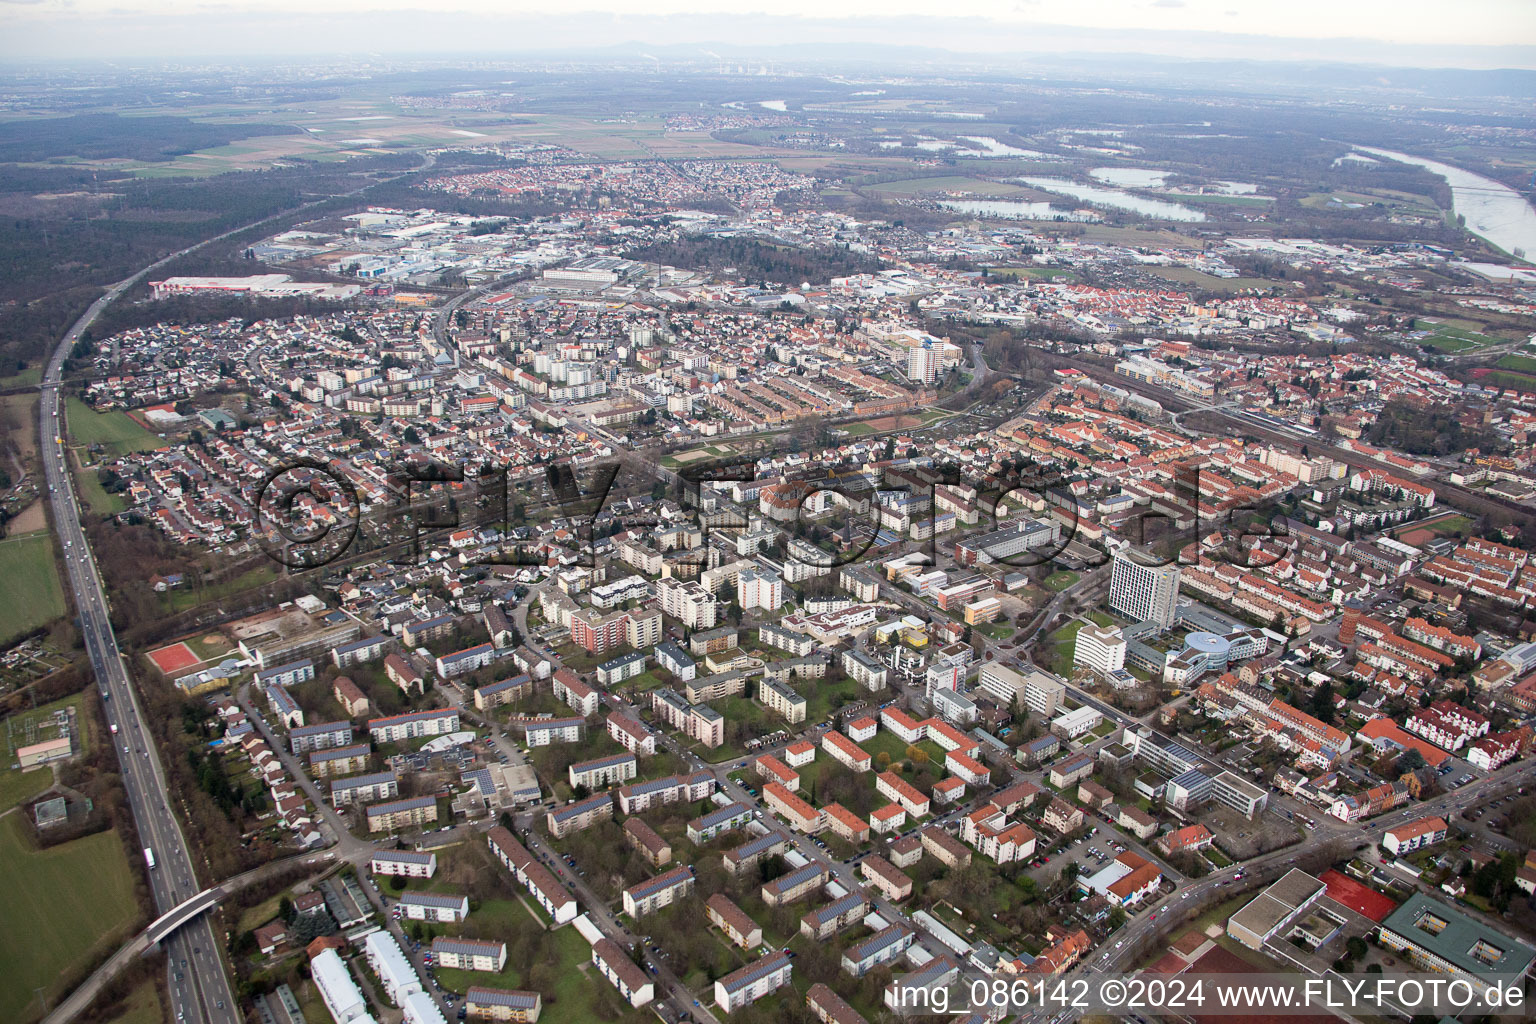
[(180, 914)]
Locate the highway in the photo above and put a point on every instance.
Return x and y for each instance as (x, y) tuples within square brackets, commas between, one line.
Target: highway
[(198, 983)]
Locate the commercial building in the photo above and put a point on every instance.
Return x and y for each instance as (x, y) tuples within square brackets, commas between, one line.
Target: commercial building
[(1270, 912), (1437, 937), (1144, 593)]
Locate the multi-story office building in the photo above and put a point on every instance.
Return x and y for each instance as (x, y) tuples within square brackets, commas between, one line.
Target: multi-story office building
[(1144, 592)]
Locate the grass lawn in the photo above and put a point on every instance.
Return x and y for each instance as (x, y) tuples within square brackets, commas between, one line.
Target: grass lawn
[(1101, 618), (141, 1007), (63, 905), (97, 498), (577, 981), (34, 596), (1056, 582), (1062, 642), (996, 630), (118, 432)]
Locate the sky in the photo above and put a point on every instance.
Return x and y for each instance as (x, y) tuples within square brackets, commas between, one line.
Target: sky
[(1482, 33)]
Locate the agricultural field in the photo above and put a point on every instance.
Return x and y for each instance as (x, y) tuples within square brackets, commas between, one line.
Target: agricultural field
[(116, 431), (32, 585), (63, 905)]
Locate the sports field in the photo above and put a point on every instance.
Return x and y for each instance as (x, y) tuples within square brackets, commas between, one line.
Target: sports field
[(34, 596), (61, 905), (1453, 335), (118, 432), (174, 658)]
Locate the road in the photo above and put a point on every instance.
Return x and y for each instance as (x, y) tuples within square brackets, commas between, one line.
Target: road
[(198, 983)]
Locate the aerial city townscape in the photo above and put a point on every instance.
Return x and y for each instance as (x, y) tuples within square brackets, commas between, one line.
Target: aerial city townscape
[(745, 532)]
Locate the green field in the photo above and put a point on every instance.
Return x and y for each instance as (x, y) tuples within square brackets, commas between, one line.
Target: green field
[(35, 597), (63, 906), (142, 1006), (96, 497), (1514, 362), (1517, 381), (1453, 335), (118, 432), (1056, 582), (1212, 283), (1048, 273)]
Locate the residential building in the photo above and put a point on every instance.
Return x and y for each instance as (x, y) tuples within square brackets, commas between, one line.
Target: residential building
[(602, 771), (882, 947), (749, 984), (502, 1004), (395, 815), (1405, 838), (406, 863), (579, 815), (613, 963), (470, 954), (432, 906), (796, 884), (661, 891), (738, 927)]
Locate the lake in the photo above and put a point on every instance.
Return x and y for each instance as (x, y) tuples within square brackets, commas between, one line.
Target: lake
[(1494, 211), (1129, 177), (1118, 200), (1007, 210)]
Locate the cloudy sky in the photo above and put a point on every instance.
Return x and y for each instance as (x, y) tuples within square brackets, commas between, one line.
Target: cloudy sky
[(1423, 32)]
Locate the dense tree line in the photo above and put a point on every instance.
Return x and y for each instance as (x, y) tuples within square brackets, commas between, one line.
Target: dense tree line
[(1430, 431), (757, 260), (108, 136)]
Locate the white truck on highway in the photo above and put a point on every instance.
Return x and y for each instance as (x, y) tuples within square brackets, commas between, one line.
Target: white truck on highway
[(149, 858)]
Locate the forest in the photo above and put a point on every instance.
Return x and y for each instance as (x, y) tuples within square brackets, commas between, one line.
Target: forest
[(757, 260), (1434, 430), (112, 136), (55, 257)]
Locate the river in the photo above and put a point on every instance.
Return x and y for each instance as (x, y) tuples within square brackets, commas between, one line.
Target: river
[(1494, 212)]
